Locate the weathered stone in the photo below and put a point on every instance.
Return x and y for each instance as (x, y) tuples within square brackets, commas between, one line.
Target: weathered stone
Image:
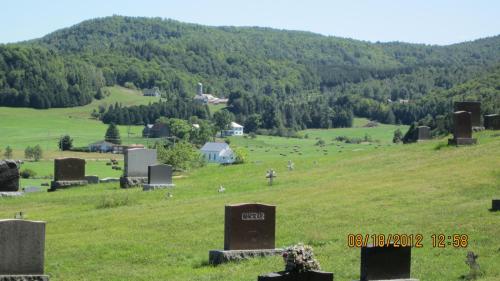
[(150, 187), (9, 176), (492, 122), (92, 179), (312, 275), (54, 185), (473, 107), (249, 226), (128, 182), (221, 256), (423, 133), (385, 263), (22, 245)]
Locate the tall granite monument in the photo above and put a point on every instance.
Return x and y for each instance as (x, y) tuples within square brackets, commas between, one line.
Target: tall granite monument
[(137, 161)]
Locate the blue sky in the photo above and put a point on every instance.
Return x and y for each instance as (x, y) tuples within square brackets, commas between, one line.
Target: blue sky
[(425, 21)]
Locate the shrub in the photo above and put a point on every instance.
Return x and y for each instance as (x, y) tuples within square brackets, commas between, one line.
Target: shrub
[(320, 142), (241, 155), (27, 173)]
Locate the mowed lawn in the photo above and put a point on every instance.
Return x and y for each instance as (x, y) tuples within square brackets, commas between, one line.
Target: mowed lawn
[(104, 233), (22, 127)]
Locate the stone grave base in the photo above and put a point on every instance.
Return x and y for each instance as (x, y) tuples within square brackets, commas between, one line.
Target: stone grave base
[(10, 194), (54, 185), (477, 129), (223, 256), (495, 205), (462, 141), (92, 179), (24, 278), (303, 276), (105, 180), (128, 182), (148, 187)]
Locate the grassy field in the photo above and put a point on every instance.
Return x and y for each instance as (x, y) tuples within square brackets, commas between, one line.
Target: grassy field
[(104, 233), (21, 127)]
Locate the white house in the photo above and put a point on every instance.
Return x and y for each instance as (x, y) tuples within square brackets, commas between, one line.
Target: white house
[(218, 152), (236, 130)]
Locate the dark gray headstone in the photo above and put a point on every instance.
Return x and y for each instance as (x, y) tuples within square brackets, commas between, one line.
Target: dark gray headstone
[(492, 122), (385, 263), (9, 176), (462, 125), (69, 169), (495, 205), (160, 174), (473, 107), (249, 226), (92, 179), (22, 245)]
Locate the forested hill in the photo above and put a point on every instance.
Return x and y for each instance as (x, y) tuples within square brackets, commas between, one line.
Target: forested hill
[(68, 67)]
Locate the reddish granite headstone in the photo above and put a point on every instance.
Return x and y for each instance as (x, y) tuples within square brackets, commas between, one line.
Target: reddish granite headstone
[(69, 169), (249, 226)]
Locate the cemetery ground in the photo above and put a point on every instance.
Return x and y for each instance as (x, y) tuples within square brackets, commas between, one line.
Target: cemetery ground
[(102, 232)]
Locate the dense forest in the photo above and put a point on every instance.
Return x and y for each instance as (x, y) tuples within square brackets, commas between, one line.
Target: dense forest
[(273, 78)]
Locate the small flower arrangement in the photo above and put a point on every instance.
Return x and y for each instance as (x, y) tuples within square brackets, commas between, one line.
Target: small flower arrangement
[(300, 258)]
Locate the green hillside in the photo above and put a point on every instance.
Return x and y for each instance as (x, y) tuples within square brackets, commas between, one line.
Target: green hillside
[(285, 67), (106, 233), (22, 127)]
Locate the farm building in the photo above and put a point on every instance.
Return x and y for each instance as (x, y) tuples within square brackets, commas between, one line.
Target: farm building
[(218, 152)]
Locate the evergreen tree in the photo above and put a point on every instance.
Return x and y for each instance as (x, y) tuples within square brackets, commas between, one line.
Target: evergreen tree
[(65, 143), (112, 134), (8, 152)]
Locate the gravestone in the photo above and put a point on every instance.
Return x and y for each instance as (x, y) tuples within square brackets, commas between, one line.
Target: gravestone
[(68, 172), (495, 205), (31, 189), (474, 108), (492, 121), (159, 176), (249, 231), (137, 161), (462, 129), (22, 246), (423, 133), (9, 176), (92, 179), (385, 263)]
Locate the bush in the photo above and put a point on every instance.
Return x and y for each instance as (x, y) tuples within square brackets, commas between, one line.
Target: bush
[(241, 155), (252, 135), (182, 156), (320, 142), (65, 143), (27, 173)]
